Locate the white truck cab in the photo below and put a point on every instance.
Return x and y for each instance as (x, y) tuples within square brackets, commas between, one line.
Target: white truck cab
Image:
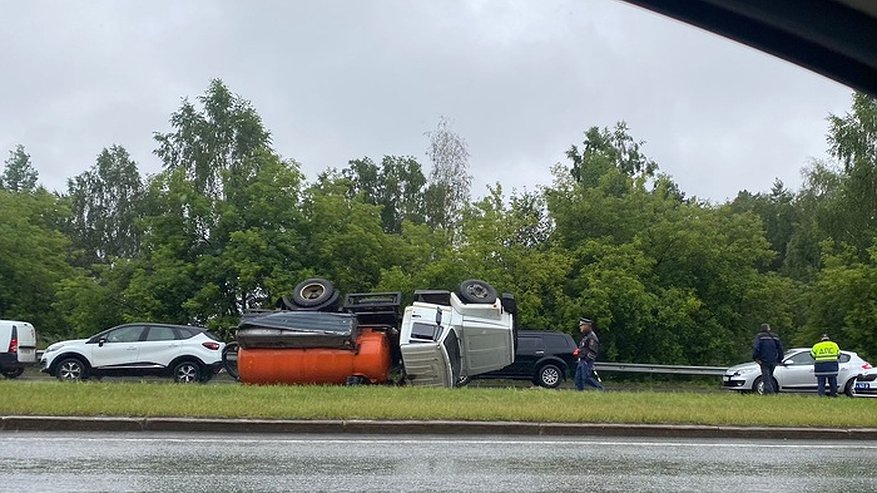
[(445, 340)]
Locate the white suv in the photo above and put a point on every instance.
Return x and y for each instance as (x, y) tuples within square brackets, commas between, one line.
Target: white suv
[(188, 354)]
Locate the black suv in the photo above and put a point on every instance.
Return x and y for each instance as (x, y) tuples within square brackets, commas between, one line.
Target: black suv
[(544, 357)]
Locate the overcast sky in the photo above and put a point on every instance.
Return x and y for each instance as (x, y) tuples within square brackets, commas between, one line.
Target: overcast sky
[(338, 80)]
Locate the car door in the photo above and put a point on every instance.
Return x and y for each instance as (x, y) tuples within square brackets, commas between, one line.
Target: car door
[(160, 346), (796, 373), (530, 350), (118, 347)]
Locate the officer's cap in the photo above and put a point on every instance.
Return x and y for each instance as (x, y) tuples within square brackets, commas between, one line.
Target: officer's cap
[(584, 320)]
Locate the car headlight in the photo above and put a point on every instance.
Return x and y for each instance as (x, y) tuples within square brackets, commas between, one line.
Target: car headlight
[(53, 348), (744, 371)]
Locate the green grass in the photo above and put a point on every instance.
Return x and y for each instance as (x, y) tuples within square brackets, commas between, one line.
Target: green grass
[(148, 399)]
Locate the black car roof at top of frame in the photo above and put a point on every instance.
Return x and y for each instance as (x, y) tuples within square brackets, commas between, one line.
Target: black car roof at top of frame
[(834, 38)]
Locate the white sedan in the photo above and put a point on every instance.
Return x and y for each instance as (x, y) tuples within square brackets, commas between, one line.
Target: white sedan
[(795, 374), (866, 383)]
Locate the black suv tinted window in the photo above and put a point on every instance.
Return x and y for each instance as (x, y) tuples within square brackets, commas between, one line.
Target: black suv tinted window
[(557, 341), (528, 344)]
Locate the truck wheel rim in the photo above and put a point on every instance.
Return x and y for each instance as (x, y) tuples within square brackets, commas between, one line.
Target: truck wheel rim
[(312, 291)]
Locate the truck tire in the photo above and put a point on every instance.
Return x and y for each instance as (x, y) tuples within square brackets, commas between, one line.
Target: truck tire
[(312, 293), (230, 360), (477, 291), (13, 372)]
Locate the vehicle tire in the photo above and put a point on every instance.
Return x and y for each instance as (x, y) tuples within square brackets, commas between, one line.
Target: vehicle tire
[(187, 371), (464, 381), (758, 386), (850, 388), (356, 380), (284, 303), (13, 373), (72, 370), (313, 292), (230, 360), (476, 291), (549, 376)]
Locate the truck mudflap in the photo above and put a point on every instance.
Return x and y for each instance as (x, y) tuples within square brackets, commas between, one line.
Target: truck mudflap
[(369, 361)]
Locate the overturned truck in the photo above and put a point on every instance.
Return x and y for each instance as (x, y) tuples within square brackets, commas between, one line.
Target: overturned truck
[(442, 339)]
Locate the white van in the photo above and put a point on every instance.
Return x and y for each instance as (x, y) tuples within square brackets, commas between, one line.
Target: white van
[(18, 347)]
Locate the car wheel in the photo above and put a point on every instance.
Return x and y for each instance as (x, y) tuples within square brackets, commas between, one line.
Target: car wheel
[(230, 359), (758, 386), (850, 388), (312, 293), (187, 372), (477, 291), (13, 373), (71, 370), (549, 376)]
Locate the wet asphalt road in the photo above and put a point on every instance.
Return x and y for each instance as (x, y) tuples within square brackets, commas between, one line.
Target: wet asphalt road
[(166, 462)]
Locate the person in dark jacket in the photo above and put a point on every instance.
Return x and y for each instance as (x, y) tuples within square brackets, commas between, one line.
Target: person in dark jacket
[(767, 351), (587, 353)]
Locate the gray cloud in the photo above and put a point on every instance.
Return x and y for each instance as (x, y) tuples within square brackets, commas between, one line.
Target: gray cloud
[(339, 80)]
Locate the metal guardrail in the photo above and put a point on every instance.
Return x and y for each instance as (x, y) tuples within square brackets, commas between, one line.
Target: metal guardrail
[(666, 369)]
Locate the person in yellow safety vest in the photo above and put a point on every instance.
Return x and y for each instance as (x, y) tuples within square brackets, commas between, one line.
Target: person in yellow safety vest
[(825, 355)]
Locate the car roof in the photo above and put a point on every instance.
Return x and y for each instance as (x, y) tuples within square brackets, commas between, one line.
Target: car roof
[(154, 324), (808, 349), (835, 38), (527, 332)]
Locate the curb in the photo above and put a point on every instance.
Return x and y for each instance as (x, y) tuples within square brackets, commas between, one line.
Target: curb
[(368, 427)]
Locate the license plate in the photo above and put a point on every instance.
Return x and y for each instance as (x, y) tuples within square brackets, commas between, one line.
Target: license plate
[(26, 355), (863, 385)]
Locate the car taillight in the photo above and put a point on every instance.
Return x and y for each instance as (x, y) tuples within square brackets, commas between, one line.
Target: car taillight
[(211, 345), (13, 345), (866, 366)]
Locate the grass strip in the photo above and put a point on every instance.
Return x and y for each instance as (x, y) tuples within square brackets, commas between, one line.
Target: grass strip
[(150, 399)]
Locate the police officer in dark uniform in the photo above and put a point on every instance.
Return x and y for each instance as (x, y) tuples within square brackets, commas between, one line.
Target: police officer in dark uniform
[(587, 352), (767, 351)]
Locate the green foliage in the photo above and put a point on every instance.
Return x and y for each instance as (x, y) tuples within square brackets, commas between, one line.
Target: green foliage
[(106, 205), (32, 259), (843, 304), (18, 174), (397, 185)]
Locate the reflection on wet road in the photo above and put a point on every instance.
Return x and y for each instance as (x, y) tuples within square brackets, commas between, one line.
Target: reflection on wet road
[(165, 462)]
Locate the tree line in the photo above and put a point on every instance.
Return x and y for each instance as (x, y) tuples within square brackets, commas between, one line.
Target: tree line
[(228, 225)]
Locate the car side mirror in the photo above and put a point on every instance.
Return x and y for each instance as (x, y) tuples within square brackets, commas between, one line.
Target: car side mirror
[(101, 341), (785, 362)]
